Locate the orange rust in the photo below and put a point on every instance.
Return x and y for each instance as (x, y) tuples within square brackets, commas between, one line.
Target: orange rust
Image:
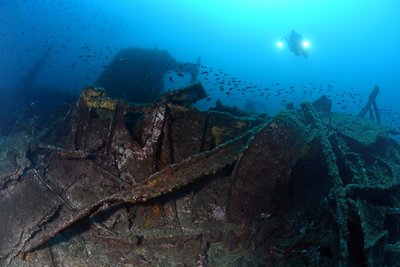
[(156, 211)]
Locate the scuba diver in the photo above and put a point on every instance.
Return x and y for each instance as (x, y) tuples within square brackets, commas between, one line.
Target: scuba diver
[(297, 44)]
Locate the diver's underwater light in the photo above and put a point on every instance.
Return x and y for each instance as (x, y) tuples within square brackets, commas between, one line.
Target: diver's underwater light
[(306, 44), (279, 44)]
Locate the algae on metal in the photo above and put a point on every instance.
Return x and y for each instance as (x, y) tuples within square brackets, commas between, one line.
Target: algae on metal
[(208, 188)]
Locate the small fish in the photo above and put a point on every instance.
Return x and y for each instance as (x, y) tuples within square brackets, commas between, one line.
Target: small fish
[(264, 215)]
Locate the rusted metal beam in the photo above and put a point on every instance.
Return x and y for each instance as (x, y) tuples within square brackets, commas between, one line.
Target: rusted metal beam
[(169, 179), (371, 106)]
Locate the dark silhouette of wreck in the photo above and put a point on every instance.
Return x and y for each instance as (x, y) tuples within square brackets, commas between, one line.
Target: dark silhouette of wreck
[(137, 74), (28, 104)]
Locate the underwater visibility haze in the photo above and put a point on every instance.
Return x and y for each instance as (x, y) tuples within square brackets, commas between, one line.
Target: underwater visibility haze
[(352, 46), (150, 133)]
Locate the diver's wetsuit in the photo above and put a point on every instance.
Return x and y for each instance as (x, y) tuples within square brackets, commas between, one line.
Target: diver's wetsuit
[(295, 44)]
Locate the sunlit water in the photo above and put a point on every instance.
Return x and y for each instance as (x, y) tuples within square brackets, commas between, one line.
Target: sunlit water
[(353, 46)]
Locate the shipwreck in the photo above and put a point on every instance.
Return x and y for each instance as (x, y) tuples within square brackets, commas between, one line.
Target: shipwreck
[(110, 182)]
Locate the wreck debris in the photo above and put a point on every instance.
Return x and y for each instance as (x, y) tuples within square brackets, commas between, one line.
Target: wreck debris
[(17, 227), (264, 189), (186, 95), (167, 180), (234, 111), (360, 130), (13, 158), (28, 81), (323, 104), (182, 186), (137, 74), (371, 106), (100, 124)]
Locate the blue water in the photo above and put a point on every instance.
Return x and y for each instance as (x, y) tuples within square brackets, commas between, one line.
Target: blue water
[(354, 45)]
